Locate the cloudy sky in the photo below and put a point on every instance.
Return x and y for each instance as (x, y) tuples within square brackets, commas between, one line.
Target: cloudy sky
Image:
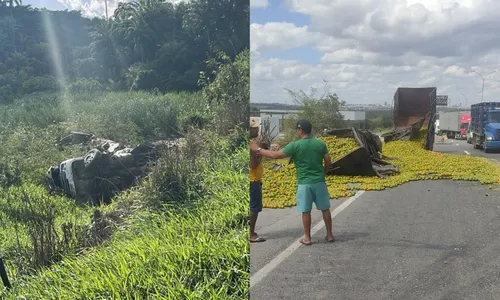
[(365, 49)]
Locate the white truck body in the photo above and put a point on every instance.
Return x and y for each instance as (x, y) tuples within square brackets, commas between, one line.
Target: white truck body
[(449, 121)]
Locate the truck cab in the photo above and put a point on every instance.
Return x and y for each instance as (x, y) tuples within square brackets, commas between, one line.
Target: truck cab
[(485, 126), (492, 129)]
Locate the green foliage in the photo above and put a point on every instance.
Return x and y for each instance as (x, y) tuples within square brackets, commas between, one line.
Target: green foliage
[(180, 233), (87, 86), (383, 122), (229, 89), (204, 181), (145, 45), (29, 209), (323, 112), (195, 252)]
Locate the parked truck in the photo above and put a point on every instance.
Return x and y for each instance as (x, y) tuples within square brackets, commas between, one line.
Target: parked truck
[(453, 124), (414, 109), (485, 126)]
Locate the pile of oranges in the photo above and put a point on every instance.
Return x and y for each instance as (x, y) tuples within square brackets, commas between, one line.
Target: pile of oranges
[(414, 163)]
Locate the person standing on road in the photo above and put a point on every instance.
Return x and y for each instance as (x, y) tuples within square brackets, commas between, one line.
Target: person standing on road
[(308, 154), (256, 172)]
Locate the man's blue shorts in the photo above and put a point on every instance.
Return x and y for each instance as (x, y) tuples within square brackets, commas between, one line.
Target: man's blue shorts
[(256, 196), (309, 193)]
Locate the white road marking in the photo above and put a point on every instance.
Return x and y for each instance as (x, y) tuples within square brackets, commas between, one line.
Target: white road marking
[(466, 152), (264, 271), (456, 144)]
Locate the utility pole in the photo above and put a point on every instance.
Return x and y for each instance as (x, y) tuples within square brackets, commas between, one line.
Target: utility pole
[(106, 5), (483, 78), (466, 100)]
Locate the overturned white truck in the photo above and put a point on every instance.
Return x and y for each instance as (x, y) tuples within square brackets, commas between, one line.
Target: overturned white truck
[(105, 170)]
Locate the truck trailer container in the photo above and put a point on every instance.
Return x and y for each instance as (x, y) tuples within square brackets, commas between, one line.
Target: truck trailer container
[(411, 106), (485, 126)]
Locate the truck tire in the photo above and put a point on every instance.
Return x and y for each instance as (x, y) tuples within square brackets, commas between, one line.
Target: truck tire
[(92, 159), (487, 150)]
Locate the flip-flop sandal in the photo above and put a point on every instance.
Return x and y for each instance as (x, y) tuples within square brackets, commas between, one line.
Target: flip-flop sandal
[(258, 240), (304, 243), (329, 241)]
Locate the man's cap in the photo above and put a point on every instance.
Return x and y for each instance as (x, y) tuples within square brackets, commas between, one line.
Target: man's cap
[(254, 123), (304, 125)]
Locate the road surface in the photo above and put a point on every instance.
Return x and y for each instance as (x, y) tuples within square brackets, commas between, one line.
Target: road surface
[(461, 147), (422, 240)]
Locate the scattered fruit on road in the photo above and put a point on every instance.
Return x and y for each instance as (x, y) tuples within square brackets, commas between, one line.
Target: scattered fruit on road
[(414, 162)]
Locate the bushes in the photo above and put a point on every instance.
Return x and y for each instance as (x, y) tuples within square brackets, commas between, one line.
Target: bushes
[(87, 86), (180, 234), (182, 253), (45, 226), (229, 91)]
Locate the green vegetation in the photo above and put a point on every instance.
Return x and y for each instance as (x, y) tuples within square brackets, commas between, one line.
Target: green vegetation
[(146, 45), (181, 233)]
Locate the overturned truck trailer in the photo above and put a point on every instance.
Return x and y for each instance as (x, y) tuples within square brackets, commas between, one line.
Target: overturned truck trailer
[(366, 160), (106, 168), (414, 109)]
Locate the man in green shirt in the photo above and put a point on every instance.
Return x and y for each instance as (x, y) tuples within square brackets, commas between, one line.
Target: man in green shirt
[(308, 154)]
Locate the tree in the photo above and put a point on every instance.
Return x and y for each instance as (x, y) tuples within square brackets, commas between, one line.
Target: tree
[(230, 89), (10, 3), (323, 112)]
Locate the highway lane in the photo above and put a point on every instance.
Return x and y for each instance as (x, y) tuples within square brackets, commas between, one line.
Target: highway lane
[(422, 240), (462, 148)]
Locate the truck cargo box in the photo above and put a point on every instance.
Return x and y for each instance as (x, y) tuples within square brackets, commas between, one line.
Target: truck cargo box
[(413, 109), (479, 115)]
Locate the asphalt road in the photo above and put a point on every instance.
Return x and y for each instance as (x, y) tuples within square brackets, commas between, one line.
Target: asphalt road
[(461, 147), (422, 240)]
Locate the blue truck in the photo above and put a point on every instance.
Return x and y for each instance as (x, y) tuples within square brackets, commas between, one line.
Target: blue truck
[(485, 126)]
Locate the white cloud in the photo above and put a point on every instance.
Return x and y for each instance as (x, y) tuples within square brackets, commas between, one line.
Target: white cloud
[(367, 48), (455, 71), (279, 36), (259, 3)]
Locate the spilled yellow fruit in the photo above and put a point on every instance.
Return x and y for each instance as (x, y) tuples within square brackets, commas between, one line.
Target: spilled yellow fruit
[(414, 162)]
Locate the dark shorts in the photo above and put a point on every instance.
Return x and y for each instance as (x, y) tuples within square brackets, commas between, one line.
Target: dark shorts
[(256, 196)]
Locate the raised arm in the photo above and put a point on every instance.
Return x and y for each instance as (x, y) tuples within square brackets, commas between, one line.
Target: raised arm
[(254, 148), (272, 154)]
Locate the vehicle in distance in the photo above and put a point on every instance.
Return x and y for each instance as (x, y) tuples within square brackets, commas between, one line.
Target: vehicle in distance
[(453, 124), (485, 126)]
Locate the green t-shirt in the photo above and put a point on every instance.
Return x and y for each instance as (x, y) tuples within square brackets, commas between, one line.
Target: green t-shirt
[(308, 156)]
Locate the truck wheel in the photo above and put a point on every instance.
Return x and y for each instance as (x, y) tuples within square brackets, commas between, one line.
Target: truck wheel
[(92, 158), (486, 150)]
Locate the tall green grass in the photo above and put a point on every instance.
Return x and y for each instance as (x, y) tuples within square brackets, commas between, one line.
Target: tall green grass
[(200, 252), (180, 234)]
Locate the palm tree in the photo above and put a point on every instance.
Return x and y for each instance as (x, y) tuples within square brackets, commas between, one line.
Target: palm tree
[(103, 45), (137, 26), (11, 3)]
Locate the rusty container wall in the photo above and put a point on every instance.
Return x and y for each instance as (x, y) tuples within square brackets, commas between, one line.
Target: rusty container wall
[(411, 105)]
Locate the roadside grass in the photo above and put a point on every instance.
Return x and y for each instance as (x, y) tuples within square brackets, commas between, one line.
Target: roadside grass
[(179, 234), (200, 253)]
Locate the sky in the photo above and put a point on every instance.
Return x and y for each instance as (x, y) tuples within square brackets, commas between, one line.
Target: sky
[(89, 8), (365, 49)]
